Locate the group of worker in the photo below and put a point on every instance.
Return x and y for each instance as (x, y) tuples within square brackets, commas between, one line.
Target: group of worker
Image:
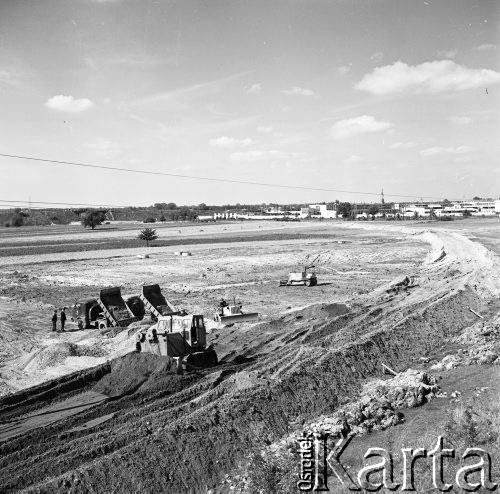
[(62, 318)]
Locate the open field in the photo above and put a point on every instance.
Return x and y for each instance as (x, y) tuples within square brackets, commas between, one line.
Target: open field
[(146, 429)]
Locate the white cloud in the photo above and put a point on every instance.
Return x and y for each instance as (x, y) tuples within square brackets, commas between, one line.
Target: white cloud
[(11, 75), (447, 53), (262, 155), (230, 143), (402, 145), (265, 129), (460, 120), (68, 103), (429, 77), (105, 149), (344, 69), (487, 46), (353, 159), (300, 91), (358, 125), (5, 76), (437, 150), (254, 89)]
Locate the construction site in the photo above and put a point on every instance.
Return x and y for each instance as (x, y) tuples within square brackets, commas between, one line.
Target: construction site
[(194, 373)]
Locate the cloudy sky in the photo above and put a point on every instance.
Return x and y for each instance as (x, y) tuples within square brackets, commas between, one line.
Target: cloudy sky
[(351, 95)]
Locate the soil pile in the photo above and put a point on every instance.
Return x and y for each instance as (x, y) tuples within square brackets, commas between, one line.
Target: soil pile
[(129, 373), (376, 409), (57, 353)]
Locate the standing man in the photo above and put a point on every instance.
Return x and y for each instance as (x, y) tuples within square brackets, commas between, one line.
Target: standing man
[(54, 320), (63, 319)]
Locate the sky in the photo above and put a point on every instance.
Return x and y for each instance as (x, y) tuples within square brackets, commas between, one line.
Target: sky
[(342, 95)]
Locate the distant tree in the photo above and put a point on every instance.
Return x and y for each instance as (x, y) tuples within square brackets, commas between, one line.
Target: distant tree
[(17, 218), (160, 205), (344, 209), (171, 205), (148, 234), (415, 215), (93, 219), (162, 218), (373, 209), (467, 213), (202, 207), (446, 201), (80, 211), (476, 198)]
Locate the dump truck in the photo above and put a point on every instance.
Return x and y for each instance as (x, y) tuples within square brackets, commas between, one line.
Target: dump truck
[(181, 337), (232, 314), (107, 310), (307, 277), (155, 302), (85, 313), (115, 312)]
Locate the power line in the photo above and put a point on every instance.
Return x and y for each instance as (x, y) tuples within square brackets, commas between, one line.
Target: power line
[(65, 203), (193, 177)]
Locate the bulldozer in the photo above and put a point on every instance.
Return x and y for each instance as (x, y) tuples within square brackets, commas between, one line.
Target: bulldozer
[(231, 314), (307, 277), (179, 336)]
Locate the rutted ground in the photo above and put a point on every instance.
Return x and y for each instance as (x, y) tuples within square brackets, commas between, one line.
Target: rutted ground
[(347, 265), (184, 433)]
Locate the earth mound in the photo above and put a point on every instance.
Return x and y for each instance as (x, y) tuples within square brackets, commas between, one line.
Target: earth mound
[(132, 371)]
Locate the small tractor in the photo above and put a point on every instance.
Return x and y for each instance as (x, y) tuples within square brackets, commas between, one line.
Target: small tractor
[(231, 314), (304, 278), (180, 336)]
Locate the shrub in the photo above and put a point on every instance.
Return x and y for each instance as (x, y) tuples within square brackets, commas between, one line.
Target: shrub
[(148, 234), (149, 219)]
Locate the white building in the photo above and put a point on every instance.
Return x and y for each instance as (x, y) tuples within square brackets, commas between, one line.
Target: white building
[(323, 211)]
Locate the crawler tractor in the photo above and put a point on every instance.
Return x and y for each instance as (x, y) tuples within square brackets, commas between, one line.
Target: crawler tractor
[(232, 314), (180, 336), (303, 278)]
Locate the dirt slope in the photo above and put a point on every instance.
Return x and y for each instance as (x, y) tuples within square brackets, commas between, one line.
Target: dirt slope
[(183, 433)]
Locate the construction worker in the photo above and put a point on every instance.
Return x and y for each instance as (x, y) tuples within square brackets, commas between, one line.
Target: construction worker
[(63, 319), (223, 303), (54, 321)]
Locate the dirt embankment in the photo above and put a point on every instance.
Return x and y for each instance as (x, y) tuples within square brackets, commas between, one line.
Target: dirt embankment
[(183, 433)]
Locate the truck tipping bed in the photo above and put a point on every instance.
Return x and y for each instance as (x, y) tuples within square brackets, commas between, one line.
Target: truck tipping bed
[(155, 302), (114, 307)]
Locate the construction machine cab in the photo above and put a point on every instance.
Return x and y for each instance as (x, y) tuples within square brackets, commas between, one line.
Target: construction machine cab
[(84, 313), (179, 336)]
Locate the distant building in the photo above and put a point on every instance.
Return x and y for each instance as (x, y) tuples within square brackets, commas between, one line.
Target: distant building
[(457, 208), (323, 211)]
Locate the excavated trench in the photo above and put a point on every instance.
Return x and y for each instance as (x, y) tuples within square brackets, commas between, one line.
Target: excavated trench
[(184, 436)]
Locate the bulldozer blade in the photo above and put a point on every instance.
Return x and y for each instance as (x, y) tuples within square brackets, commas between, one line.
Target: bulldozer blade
[(200, 360), (227, 320)]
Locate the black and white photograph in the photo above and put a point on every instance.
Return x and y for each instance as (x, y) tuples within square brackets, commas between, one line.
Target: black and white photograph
[(249, 246)]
